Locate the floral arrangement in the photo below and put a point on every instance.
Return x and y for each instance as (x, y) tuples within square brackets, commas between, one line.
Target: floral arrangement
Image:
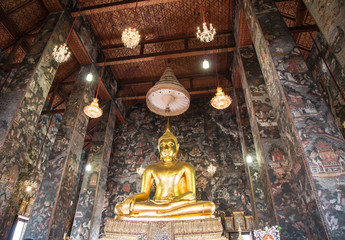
[(272, 233), (142, 236)]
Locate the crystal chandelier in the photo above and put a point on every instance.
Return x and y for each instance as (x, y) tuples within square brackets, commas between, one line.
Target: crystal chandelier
[(93, 110), (207, 35), (61, 53), (130, 37), (221, 100)]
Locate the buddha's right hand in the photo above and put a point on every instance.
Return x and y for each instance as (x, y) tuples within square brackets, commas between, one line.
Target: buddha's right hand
[(128, 204)]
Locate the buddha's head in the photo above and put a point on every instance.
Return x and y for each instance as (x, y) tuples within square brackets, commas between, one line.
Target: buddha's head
[(168, 146)]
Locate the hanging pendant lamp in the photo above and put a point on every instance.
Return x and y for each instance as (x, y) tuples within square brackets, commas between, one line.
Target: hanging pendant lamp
[(220, 100), (168, 97), (93, 110), (130, 36), (61, 53), (207, 34)]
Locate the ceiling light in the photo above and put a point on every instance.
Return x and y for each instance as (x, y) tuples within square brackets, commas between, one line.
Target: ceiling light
[(207, 35), (89, 77), (205, 64), (130, 37), (93, 110), (168, 97), (221, 100), (61, 53)]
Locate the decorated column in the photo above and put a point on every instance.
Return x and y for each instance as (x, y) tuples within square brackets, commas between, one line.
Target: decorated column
[(330, 18), (255, 171), (284, 182), (32, 170), (87, 219), (52, 208), (21, 103), (311, 139)]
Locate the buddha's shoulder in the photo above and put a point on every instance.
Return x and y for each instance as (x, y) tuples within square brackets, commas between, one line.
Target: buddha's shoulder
[(185, 164)]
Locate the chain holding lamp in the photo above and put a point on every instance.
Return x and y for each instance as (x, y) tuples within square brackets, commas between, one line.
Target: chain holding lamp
[(93, 110)]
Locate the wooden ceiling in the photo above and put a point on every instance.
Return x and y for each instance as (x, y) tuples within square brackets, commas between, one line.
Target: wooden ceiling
[(167, 29)]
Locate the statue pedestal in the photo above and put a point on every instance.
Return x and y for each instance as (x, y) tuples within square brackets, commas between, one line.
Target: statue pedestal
[(199, 229)]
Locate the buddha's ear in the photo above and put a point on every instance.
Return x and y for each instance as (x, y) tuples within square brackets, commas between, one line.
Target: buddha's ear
[(177, 147)]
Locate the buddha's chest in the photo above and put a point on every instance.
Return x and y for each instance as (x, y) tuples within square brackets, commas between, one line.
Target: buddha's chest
[(167, 177)]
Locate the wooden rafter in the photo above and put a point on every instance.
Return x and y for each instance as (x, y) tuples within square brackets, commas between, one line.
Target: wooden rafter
[(304, 28), (116, 6), (168, 55)]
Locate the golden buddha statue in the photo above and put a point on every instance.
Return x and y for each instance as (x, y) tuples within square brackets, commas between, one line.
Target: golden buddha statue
[(175, 188)]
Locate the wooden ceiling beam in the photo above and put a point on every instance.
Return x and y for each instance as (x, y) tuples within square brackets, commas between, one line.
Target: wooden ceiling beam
[(304, 28), (116, 6), (168, 55), (192, 92), (131, 83), (162, 40)]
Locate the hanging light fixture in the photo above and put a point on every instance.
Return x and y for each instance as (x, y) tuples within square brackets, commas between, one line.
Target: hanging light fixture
[(206, 35), (61, 53), (130, 36), (168, 97), (220, 100), (205, 64), (93, 110), (89, 77)]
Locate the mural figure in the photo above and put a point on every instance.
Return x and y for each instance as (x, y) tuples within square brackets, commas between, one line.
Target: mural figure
[(175, 194)]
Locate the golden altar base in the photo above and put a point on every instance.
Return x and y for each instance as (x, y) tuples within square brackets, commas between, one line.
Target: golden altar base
[(177, 229)]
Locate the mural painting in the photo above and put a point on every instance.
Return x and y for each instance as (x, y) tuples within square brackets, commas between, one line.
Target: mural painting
[(29, 166), (87, 218), (22, 102), (58, 186), (330, 18), (331, 93), (261, 213), (302, 115), (135, 145)]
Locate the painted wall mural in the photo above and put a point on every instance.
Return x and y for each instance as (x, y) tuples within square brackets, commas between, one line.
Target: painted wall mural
[(330, 18), (29, 166), (22, 102), (261, 214), (324, 81), (87, 219), (228, 187), (50, 217), (282, 178), (303, 117)]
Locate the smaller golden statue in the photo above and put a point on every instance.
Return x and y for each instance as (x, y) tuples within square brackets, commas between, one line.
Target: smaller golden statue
[(175, 188)]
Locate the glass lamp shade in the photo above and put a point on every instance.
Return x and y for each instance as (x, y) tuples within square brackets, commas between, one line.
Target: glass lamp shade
[(221, 101), (93, 110)]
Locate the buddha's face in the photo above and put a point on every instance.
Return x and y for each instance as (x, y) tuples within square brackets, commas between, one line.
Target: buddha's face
[(168, 150)]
